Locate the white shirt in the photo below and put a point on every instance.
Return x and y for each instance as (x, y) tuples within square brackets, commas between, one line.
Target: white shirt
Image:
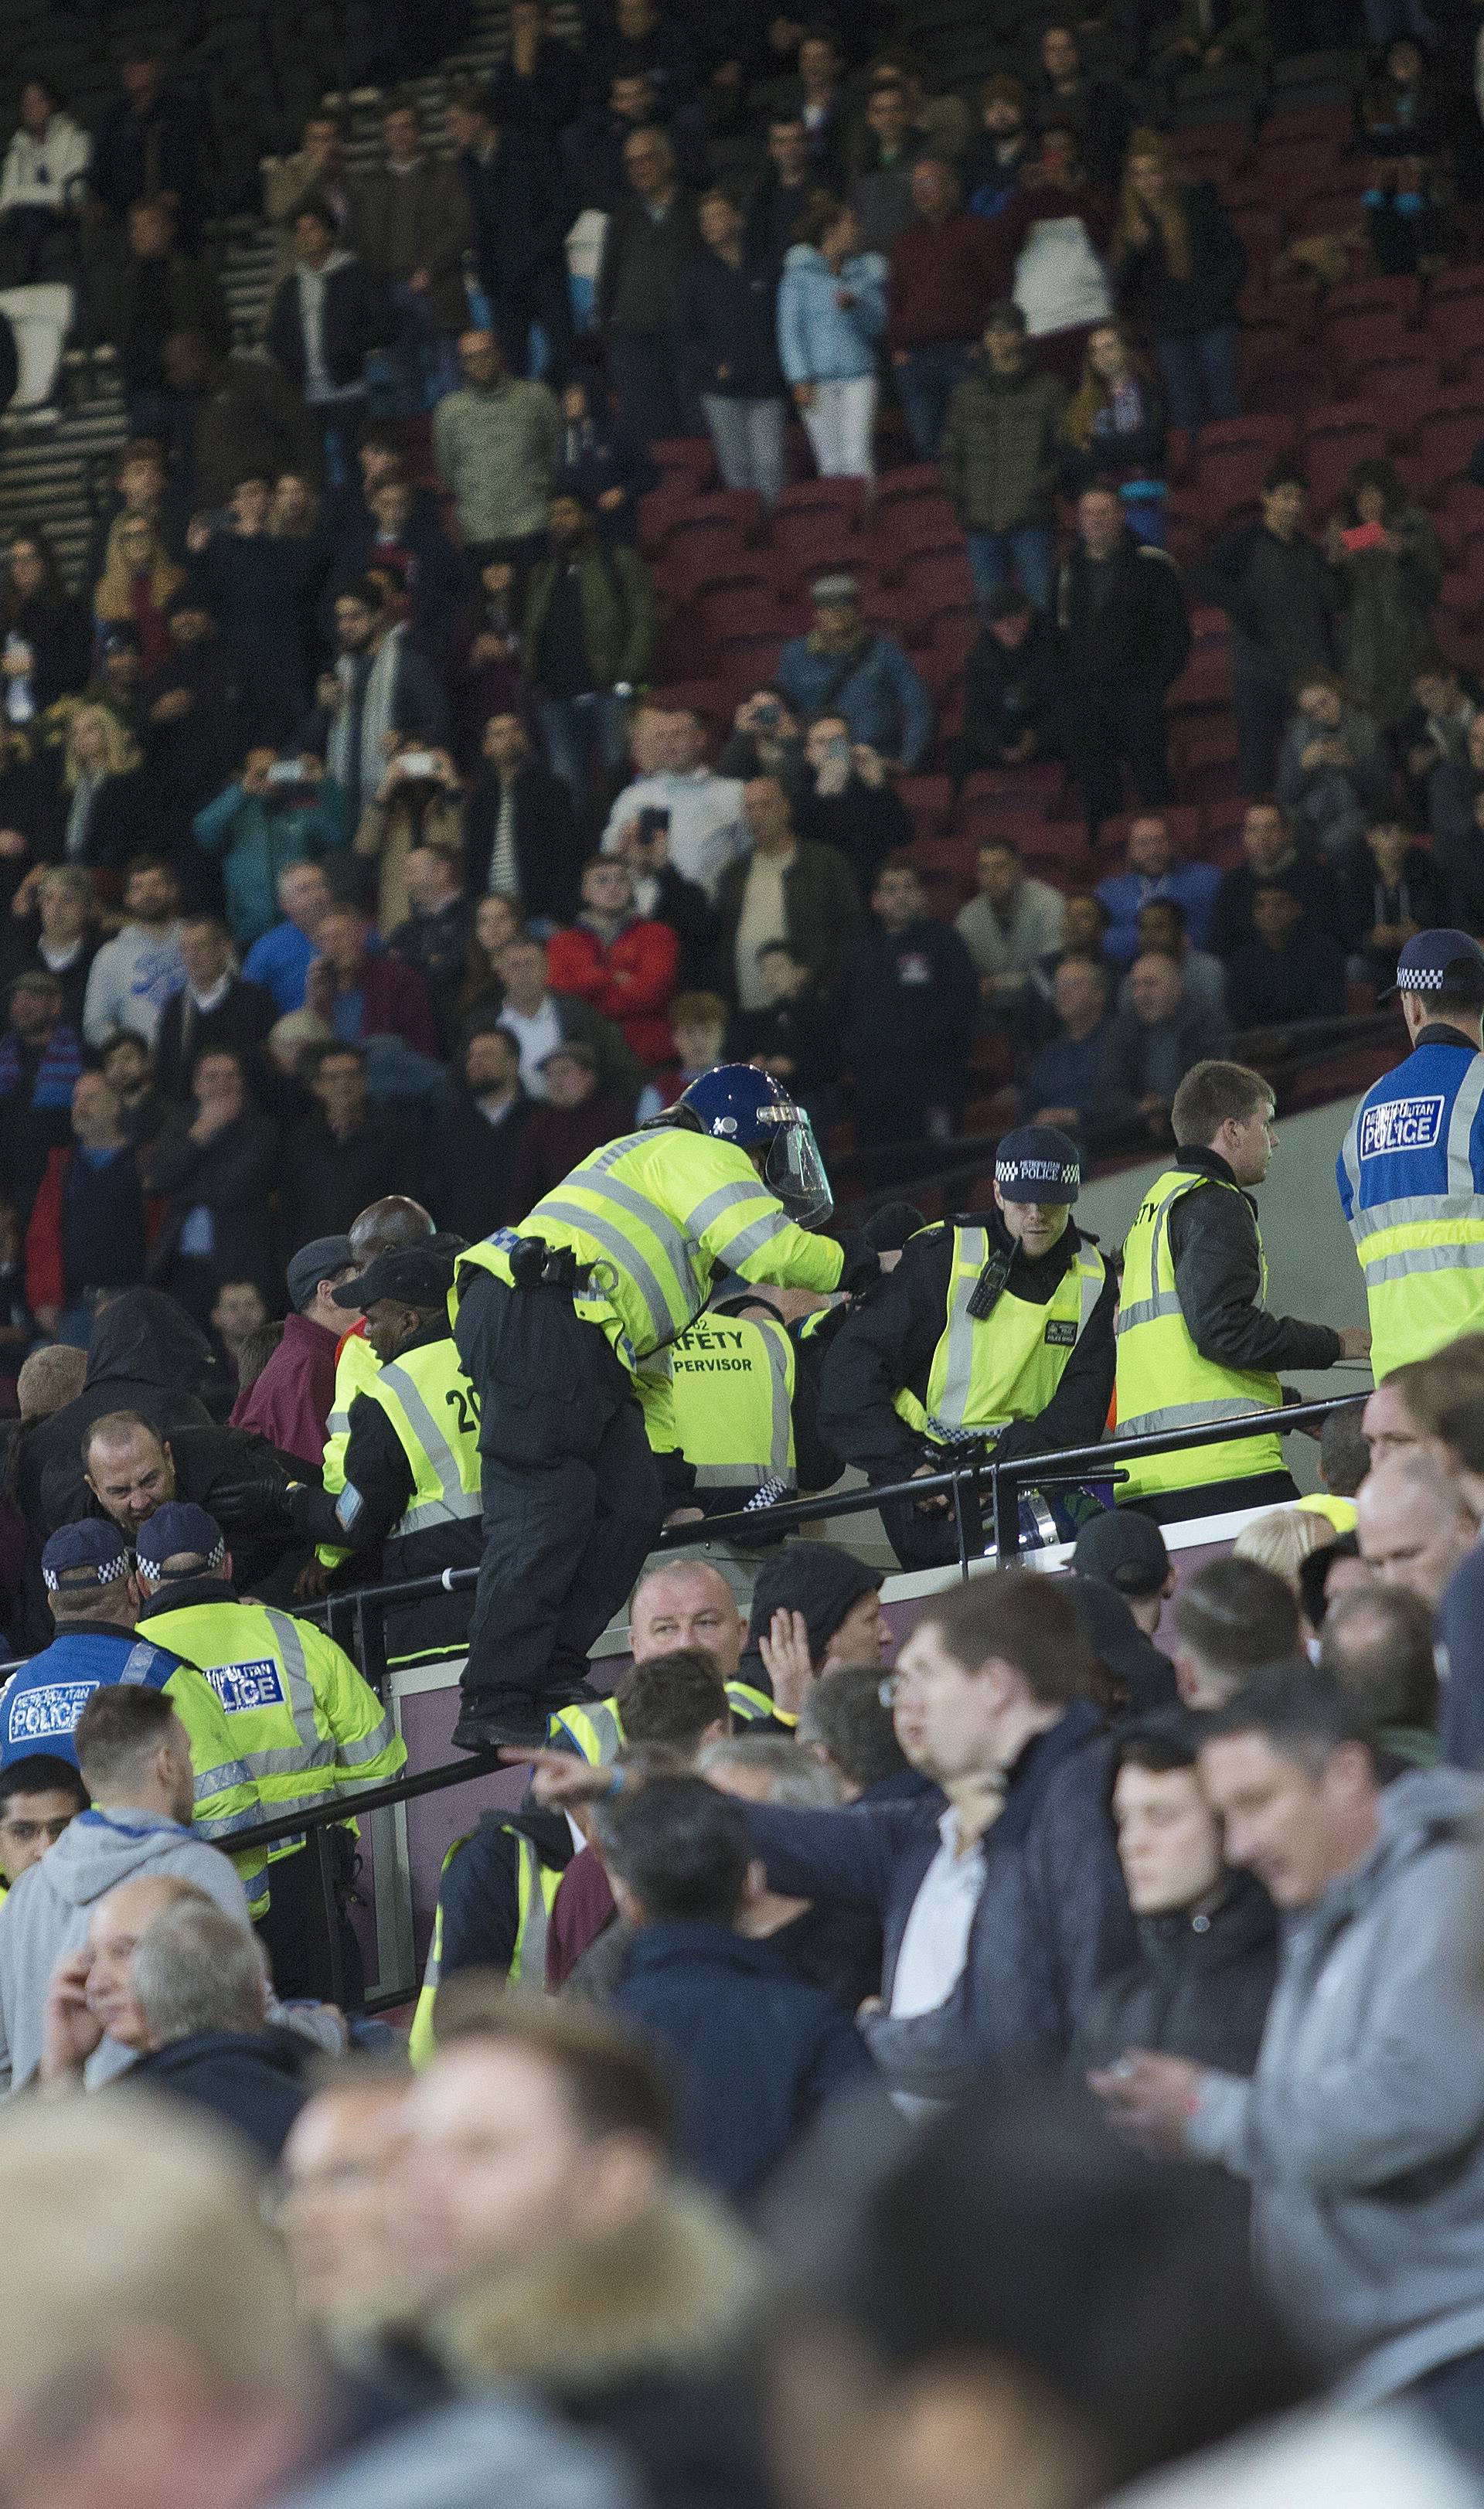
[(935, 1941), (706, 825), (537, 1033), (759, 921)]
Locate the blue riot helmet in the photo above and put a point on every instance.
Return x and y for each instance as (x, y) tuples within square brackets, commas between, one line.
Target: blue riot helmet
[(734, 1103)]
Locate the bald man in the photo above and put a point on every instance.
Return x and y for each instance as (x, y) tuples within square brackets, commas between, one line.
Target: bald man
[(91, 1994), (687, 1604), (1413, 1526)]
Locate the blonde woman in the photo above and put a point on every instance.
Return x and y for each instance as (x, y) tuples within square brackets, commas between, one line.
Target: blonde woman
[(1282, 1540), (1114, 429), (138, 584), (108, 807), (1179, 265)]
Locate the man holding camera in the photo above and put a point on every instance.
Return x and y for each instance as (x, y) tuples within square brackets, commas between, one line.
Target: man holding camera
[(677, 795)]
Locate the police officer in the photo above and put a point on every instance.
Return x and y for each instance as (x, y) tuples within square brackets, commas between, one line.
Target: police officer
[(95, 1599), (495, 1896), (389, 1227), (555, 1324), (412, 1452), (1411, 1174), (993, 1336), (1196, 1341), (301, 1719)]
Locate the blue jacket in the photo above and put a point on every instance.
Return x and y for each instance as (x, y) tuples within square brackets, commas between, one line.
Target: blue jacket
[(820, 342), (43, 1703), (259, 842), (1052, 1922), (880, 695), (1404, 1127), (1193, 886), (279, 960), (756, 2051), (1067, 1073)]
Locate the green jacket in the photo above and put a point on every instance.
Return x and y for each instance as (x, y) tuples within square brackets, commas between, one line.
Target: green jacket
[(620, 611), (1000, 457)]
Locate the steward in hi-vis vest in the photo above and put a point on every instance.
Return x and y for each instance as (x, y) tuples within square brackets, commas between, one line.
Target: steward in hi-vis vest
[(495, 1896), (1411, 1174), (411, 1486), (746, 1402), (994, 1335), (556, 1322), (1196, 1340)]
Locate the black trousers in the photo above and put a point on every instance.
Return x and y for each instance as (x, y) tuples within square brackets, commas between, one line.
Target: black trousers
[(541, 298), (1109, 723), (572, 1496), (295, 1933), (1218, 1498), (1261, 708)]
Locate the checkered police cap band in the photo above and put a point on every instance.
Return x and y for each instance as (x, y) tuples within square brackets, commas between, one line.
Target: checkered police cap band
[(84, 1573), (215, 1558)]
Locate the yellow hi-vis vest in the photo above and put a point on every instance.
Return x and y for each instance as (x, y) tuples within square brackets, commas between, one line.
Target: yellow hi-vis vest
[(596, 1733), (987, 1371), (653, 1218), (434, 1410), (304, 1724), (356, 1368), (1163, 1380), (732, 1382), (536, 1886)]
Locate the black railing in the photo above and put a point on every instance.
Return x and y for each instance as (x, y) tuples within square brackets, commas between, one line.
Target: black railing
[(964, 1484)]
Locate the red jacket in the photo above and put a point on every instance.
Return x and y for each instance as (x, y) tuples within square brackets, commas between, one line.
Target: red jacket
[(941, 283), (630, 980), (395, 1000), (290, 1402)]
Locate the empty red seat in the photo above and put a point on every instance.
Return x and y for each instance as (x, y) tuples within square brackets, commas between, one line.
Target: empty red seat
[(1267, 431), (1203, 755), (1351, 341), (1399, 390), (843, 497), (1441, 449), (929, 798), (938, 579)]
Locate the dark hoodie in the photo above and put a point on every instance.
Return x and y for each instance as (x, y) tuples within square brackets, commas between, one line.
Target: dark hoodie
[(816, 1578), (1199, 1988), (146, 1356), (253, 2081)]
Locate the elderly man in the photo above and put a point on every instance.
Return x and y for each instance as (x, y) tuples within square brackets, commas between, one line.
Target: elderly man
[(495, 440), (1413, 1525), (844, 667), (1150, 1048)]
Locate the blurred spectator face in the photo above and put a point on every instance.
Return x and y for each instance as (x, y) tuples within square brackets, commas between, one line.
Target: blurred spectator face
[(607, 887), (239, 1309), (721, 222), (479, 356), (565, 518), (942, 1712), (334, 2208), (432, 880), (28, 1825), (126, 1064), (151, 894), (27, 568), (1283, 507), (1034, 1226), (1154, 988), (379, 459), (632, 101), (570, 1080), (122, 673), (1264, 838), (765, 808), (292, 504), (1150, 851), (1161, 926), (1079, 991), (491, 1064), (787, 145), (466, 126), (1370, 503), (302, 896), (1436, 692), (999, 874), (1084, 925), (498, 2167), (1149, 179), (314, 238), (1412, 1530), (1011, 631), (839, 623), (119, 1923), (1002, 117), (522, 971), (688, 1606), (826, 742), (340, 1085), (1275, 915), (130, 1473), (818, 63), (679, 743), (935, 193), (35, 1007), (1296, 1831), (897, 899), (505, 746), (392, 505), (342, 939), (94, 1110), (356, 623), (1322, 705), (151, 230), (649, 164), (496, 924), (1100, 521), (322, 144), (1108, 355), (1387, 1425), (887, 114), (1005, 345), (636, 19), (142, 481), (402, 134), (191, 623), (1168, 1842), (65, 913), (784, 978), (141, 79), (217, 1084), (206, 950), (36, 108), (1060, 56)]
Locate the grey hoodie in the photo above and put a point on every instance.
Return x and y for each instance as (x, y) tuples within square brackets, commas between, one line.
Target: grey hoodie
[(500, 2448), (47, 1914), (1362, 2129)]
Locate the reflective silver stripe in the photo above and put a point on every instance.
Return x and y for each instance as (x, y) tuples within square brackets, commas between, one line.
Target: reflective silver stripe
[(1417, 1210), (1093, 1282), (531, 1942), (1453, 1258), (1351, 1157), (215, 1782), (288, 1763), (1465, 1107), (1147, 1311), (338, 1425), (604, 1159), (751, 1239), (455, 1502), (971, 1247), (628, 1259), (605, 1728), (644, 1208), (369, 1746), (301, 1690), (1185, 1415), (726, 1198), (138, 1662), (228, 1825)]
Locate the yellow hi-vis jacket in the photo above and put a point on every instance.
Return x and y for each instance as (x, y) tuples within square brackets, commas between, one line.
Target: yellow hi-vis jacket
[(1163, 1380), (537, 1886), (434, 1411), (731, 1383), (357, 1367), (987, 1371)]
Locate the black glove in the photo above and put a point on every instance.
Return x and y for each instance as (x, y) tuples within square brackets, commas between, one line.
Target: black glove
[(258, 1502)]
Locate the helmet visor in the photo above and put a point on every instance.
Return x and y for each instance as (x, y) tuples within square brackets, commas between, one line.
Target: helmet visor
[(796, 1172)]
